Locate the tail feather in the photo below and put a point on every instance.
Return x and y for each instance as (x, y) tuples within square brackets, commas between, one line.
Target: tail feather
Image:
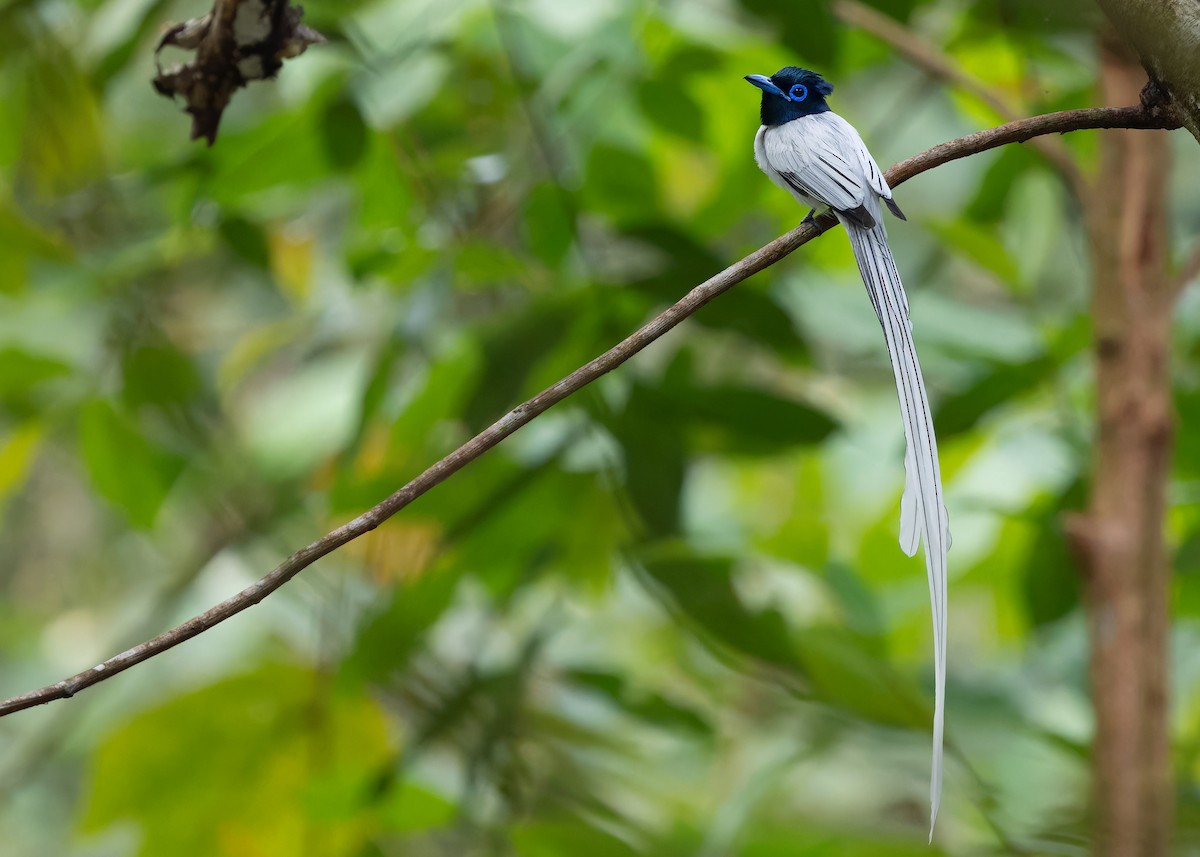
[(922, 511), (910, 534)]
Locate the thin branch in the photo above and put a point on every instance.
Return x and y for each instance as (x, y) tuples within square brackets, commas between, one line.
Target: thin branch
[(1144, 118), (1013, 132), (942, 67)]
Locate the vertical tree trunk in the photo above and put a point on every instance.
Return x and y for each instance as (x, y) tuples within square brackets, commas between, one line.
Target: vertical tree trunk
[(1121, 538)]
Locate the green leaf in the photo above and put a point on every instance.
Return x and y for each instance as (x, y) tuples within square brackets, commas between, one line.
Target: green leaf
[(620, 183), (549, 223), (1020, 21), (747, 311), (688, 58), (159, 374), (559, 838), (387, 641), (1185, 582), (512, 347), (486, 263), (703, 591), (22, 372), (1001, 176), (820, 837), (898, 9), (283, 152), (760, 320), (253, 770), (1187, 443), (843, 672), (18, 451), (655, 459), (125, 467), (668, 106), (810, 32), (379, 384), (246, 239), (1187, 555), (298, 420), (651, 707), (378, 455), (448, 384), (979, 244), (343, 134), (524, 521), (1050, 580), (863, 613), (997, 386), (18, 231), (749, 420), (685, 258), (63, 134), (410, 808)]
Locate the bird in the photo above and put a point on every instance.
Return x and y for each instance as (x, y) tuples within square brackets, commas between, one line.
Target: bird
[(820, 159)]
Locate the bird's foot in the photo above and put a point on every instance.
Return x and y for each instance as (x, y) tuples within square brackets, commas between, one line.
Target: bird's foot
[(809, 218)]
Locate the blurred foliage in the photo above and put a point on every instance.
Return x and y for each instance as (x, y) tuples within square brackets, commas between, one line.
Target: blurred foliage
[(669, 617)]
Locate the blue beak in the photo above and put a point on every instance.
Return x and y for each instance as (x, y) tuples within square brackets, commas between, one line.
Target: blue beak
[(764, 83)]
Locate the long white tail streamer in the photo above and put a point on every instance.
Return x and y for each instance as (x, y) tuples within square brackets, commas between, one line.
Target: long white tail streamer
[(922, 510)]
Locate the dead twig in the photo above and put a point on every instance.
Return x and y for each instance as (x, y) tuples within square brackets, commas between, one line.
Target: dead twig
[(236, 42)]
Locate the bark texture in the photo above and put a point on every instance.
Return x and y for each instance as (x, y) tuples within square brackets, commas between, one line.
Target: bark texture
[(1121, 537)]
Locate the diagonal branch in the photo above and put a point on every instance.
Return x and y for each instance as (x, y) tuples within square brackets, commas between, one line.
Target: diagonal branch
[(1012, 132)]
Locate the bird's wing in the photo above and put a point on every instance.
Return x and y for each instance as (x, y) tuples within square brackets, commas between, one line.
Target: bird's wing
[(813, 158), (872, 175)]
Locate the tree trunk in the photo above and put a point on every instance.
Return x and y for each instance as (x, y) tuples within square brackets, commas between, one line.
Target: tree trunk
[(1121, 537)]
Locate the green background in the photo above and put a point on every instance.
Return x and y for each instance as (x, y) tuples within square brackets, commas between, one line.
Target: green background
[(669, 617)]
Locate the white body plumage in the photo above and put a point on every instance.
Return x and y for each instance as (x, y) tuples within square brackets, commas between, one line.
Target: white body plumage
[(822, 161)]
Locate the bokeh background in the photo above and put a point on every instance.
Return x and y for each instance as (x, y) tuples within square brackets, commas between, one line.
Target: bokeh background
[(669, 617)]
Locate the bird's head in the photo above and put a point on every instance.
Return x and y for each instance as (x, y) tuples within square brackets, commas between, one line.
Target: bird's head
[(791, 93)]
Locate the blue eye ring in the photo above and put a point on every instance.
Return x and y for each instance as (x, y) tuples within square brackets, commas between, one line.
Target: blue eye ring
[(799, 92)]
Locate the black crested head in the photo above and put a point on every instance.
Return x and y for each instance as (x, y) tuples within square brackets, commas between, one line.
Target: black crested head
[(791, 93)]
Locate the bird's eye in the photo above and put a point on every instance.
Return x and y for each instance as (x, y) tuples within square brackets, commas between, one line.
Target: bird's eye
[(799, 92)]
